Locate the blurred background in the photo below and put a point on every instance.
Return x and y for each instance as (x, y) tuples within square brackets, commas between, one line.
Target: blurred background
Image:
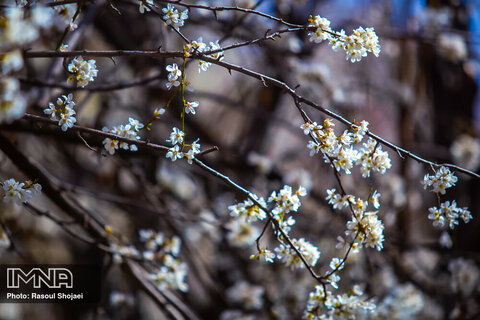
[(421, 93)]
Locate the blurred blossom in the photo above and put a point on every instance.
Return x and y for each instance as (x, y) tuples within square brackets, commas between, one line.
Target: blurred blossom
[(263, 163), (452, 47), (316, 81), (289, 42), (177, 181), (248, 295), (403, 303), (171, 276), (445, 240), (384, 280), (19, 29), (431, 20), (4, 240), (465, 275), (280, 311), (11, 61), (12, 101), (422, 261), (466, 152), (431, 310), (64, 15), (396, 190), (242, 233), (206, 226), (299, 177), (121, 299)]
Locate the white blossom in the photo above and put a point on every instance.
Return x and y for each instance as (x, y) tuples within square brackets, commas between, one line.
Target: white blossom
[(288, 255), (249, 210), (190, 107), (129, 131), (173, 17), (174, 153), (448, 215), (442, 180), (264, 254), (144, 5), (176, 136), (82, 71), (18, 192), (357, 45)]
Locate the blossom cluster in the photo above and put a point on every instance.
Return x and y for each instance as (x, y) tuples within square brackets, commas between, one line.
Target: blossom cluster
[(291, 259), (176, 152), (64, 107), (447, 214), (356, 45), (18, 192), (157, 244), (338, 201), (172, 273), (173, 17), (339, 150), (242, 232), (82, 71), (350, 305), (249, 210), (442, 180), (198, 46), (174, 75), (129, 131), (284, 202), (364, 228)]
